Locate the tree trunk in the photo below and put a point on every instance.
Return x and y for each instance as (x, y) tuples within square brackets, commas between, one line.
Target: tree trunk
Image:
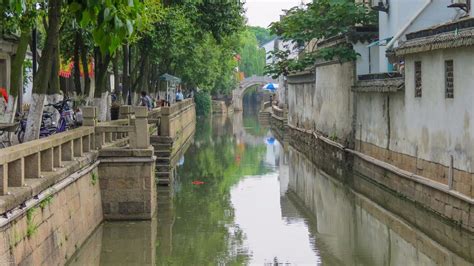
[(85, 67), (17, 63), (41, 80), (16, 77), (54, 84), (76, 59), (100, 93), (117, 87), (143, 77), (126, 79), (102, 65)]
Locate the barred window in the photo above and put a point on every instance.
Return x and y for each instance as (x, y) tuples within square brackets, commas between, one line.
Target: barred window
[(449, 78), (417, 78)]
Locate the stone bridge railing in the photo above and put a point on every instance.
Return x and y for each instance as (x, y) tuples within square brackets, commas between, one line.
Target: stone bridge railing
[(237, 93)]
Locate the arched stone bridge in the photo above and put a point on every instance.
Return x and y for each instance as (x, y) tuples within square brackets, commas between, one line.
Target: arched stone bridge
[(238, 93)]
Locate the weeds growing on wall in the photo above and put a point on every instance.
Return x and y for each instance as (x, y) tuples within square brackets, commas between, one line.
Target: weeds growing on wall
[(94, 178), (31, 227)]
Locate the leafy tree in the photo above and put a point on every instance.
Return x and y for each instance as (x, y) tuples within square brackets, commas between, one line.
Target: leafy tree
[(252, 56), (203, 103), (318, 20), (263, 35)]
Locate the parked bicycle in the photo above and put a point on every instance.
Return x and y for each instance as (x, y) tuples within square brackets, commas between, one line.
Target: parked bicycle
[(48, 124)]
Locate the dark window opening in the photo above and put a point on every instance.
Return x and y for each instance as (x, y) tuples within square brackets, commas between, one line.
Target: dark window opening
[(449, 78), (417, 78)]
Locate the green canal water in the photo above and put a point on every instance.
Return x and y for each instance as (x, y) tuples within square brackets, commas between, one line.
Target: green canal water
[(240, 197)]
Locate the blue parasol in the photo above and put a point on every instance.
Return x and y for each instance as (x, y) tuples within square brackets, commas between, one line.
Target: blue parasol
[(270, 87), (270, 140)]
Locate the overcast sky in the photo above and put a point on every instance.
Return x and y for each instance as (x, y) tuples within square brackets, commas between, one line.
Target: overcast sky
[(263, 12)]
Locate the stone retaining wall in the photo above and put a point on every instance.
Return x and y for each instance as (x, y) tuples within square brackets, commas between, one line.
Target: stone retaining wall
[(127, 184), (357, 201), (50, 232), (341, 163)]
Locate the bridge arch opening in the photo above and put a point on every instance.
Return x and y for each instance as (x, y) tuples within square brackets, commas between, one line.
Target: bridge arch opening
[(246, 84)]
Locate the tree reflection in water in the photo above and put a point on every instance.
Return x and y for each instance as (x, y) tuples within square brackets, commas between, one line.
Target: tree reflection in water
[(204, 231)]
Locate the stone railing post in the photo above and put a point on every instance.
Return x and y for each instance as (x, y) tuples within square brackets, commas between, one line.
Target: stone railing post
[(90, 120), (140, 138), (89, 114), (165, 121), (125, 112)]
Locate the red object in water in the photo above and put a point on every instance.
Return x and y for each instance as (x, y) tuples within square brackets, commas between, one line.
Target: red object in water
[(197, 182)]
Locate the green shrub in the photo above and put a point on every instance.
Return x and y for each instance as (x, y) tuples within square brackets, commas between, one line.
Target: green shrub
[(203, 102)]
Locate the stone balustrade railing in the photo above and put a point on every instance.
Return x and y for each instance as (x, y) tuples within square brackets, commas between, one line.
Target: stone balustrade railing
[(277, 111), (265, 105), (35, 159), (168, 115), (32, 159)]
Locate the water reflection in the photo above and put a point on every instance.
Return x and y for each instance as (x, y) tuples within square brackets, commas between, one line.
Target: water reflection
[(351, 229), (119, 243), (260, 202)]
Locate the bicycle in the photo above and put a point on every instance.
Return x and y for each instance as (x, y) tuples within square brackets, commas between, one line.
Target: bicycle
[(48, 125)]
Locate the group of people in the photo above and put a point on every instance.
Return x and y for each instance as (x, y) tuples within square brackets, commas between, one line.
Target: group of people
[(150, 102)]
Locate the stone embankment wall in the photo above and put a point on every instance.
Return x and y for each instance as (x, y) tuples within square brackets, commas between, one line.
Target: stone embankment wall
[(322, 100), (50, 232), (178, 124), (358, 206), (50, 197)]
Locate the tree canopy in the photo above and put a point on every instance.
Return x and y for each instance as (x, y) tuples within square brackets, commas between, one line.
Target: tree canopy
[(263, 35), (318, 20), (252, 56)]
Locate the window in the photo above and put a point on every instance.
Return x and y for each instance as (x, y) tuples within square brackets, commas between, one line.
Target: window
[(417, 78), (449, 78)]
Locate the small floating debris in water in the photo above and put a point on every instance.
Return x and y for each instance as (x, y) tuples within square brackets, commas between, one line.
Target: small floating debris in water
[(197, 182)]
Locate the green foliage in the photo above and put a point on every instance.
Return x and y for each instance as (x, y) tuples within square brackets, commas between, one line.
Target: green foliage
[(220, 18), (263, 35), (203, 102), (189, 43), (94, 178), (252, 60), (112, 22), (318, 20), (31, 227), (46, 201)]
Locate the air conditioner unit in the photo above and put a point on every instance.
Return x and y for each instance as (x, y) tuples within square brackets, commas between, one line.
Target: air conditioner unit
[(380, 5), (462, 4)]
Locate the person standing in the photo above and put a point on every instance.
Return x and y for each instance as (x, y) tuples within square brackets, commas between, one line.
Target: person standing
[(145, 100), (179, 96)]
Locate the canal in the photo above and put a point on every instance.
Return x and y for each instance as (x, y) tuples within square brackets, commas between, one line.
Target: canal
[(241, 197)]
